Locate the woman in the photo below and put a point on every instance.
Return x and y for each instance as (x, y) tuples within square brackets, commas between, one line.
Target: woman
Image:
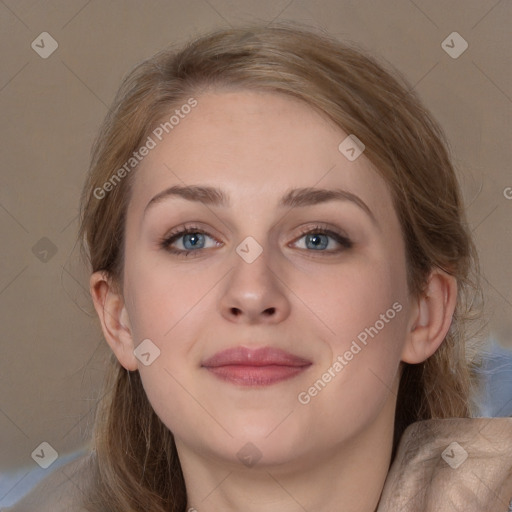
[(282, 268)]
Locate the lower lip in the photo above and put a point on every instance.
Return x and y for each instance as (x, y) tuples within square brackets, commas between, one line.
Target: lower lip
[(255, 375)]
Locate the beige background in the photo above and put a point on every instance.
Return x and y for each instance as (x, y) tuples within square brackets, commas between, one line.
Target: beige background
[(52, 348)]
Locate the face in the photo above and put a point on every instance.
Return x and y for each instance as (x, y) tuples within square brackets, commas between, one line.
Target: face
[(321, 277)]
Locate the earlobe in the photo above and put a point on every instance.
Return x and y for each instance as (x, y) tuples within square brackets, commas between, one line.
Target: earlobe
[(431, 317), (114, 319)]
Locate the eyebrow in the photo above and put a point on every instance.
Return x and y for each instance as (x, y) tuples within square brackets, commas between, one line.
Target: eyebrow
[(294, 198)]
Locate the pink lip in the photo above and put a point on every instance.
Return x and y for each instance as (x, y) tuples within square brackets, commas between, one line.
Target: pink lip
[(255, 367)]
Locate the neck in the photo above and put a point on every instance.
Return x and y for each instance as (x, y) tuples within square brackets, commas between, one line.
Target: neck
[(348, 477)]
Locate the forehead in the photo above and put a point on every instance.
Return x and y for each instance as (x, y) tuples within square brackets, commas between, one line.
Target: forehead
[(254, 142)]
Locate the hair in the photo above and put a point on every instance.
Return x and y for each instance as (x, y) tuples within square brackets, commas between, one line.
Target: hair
[(136, 465)]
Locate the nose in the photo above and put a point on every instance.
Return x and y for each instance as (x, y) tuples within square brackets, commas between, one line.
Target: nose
[(254, 293)]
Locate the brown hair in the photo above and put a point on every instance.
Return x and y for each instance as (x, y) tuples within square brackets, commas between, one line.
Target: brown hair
[(136, 463)]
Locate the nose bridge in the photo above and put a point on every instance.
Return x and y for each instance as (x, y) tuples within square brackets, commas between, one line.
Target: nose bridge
[(252, 275), (253, 289)]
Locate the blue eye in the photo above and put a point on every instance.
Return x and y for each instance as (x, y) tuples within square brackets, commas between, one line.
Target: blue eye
[(193, 241), (194, 238), (318, 239)]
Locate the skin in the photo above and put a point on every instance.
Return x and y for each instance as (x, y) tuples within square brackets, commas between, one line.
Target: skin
[(336, 448)]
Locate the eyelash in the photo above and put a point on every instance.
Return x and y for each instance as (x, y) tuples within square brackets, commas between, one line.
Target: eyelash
[(166, 242)]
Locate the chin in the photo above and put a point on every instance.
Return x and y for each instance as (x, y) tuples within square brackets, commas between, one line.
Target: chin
[(274, 441)]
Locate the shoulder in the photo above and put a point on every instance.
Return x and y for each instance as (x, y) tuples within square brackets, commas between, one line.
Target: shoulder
[(60, 491), (452, 464)]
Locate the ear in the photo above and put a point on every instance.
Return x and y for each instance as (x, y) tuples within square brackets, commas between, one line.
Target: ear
[(115, 323), (431, 317)]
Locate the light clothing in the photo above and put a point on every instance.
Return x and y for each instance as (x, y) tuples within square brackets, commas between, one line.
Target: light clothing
[(462, 465)]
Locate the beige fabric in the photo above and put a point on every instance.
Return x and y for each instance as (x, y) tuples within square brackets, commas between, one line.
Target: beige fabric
[(430, 472), (421, 479)]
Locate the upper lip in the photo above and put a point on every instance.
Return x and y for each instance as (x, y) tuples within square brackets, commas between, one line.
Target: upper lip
[(265, 356)]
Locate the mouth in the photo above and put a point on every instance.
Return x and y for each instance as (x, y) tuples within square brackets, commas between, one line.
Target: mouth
[(255, 367)]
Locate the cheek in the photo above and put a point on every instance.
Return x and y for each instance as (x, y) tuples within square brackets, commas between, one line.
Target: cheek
[(348, 392), (355, 298), (162, 296), (365, 307), (164, 307)]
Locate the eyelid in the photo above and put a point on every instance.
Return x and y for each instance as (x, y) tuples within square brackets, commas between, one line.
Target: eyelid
[(335, 233), (180, 231)]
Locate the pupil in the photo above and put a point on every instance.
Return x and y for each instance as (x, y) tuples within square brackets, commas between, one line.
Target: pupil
[(194, 239), (317, 240)]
